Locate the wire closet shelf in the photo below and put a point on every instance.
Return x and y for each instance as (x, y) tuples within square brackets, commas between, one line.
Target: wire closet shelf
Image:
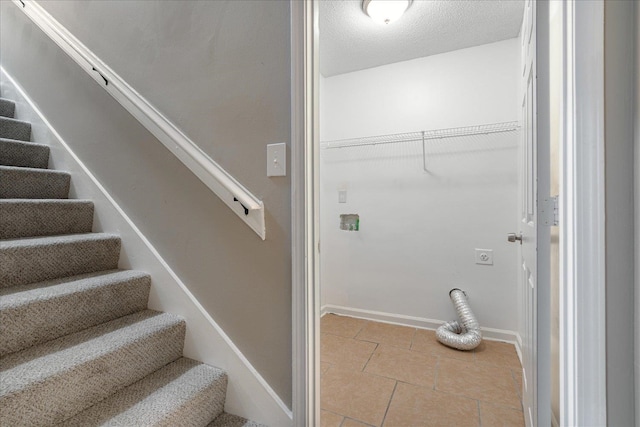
[(422, 135), (456, 134)]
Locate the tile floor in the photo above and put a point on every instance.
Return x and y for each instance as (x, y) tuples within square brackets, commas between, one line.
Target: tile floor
[(376, 374)]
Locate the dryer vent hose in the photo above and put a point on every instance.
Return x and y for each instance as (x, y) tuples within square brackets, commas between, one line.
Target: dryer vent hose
[(465, 334)]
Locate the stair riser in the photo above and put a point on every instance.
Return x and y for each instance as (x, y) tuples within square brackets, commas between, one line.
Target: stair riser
[(29, 219), (31, 264), (205, 406), (23, 154), (185, 393), (7, 108), (48, 319), (61, 397), (14, 129), (33, 184)]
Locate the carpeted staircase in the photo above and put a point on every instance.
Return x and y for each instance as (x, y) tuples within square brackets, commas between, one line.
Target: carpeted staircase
[(78, 346)]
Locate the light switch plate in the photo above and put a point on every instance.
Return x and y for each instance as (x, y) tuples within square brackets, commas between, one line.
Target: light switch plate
[(342, 196), (277, 159)]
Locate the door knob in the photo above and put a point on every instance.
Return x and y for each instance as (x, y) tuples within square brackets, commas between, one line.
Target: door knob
[(512, 237)]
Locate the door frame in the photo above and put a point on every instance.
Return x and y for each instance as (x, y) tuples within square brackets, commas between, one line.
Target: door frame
[(542, 112), (581, 214), (305, 292), (583, 399)]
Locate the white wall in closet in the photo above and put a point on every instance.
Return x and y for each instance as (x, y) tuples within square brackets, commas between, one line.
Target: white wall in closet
[(419, 229)]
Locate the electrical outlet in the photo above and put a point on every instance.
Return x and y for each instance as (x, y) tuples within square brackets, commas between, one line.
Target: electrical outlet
[(484, 256)]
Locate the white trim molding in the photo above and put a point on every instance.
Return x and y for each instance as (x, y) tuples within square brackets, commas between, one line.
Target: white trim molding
[(519, 346), (583, 397), (490, 334), (304, 213), (248, 393), (237, 197)]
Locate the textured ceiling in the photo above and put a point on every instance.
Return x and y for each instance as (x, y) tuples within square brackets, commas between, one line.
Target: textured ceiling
[(350, 40)]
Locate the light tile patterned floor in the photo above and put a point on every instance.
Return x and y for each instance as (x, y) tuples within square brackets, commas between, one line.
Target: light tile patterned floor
[(376, 374)]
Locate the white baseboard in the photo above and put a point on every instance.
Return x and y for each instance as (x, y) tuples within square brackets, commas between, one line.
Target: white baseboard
[(248, 394), (519, 346), (418, 322)]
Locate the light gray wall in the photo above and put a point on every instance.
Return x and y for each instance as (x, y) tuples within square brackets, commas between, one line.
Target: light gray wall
[(619, 119), (220, 71)]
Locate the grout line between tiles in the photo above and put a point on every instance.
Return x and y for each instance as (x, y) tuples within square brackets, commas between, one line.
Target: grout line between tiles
[(479, 413), (370, 356), (331, 365), (364, 325), (446, 392), (334, 413), (384, 418), (415, 332), (356, 420), (336, 335), (394, 379), (386, 343), (374, 342), (361, 328)]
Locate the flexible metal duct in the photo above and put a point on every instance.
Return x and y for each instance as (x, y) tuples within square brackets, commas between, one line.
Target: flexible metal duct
[(463, 335)]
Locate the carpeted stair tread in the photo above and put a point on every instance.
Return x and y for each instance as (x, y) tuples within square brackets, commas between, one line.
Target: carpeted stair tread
[(23, 154), (24, 261), (44, 217), (7, 108), (51, 382), (14, 129), (183, 393), (33, 183), (36, 313), (77, 345), (228, 420)]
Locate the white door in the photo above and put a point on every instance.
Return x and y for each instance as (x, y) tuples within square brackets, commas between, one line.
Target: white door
[(533, 235)]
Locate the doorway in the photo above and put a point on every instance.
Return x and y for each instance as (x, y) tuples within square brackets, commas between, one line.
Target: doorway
[(419, 174), (582, 363)]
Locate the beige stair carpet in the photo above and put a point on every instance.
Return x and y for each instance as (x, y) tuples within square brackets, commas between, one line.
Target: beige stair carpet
[(78, 346)]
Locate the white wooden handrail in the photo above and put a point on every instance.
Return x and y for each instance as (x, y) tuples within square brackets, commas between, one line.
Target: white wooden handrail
[(240, 200)]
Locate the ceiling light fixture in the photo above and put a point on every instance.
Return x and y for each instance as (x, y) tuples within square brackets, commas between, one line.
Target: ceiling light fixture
[(385, 11)]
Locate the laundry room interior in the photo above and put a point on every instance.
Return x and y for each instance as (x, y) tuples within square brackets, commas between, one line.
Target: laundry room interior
[(420, 123)]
